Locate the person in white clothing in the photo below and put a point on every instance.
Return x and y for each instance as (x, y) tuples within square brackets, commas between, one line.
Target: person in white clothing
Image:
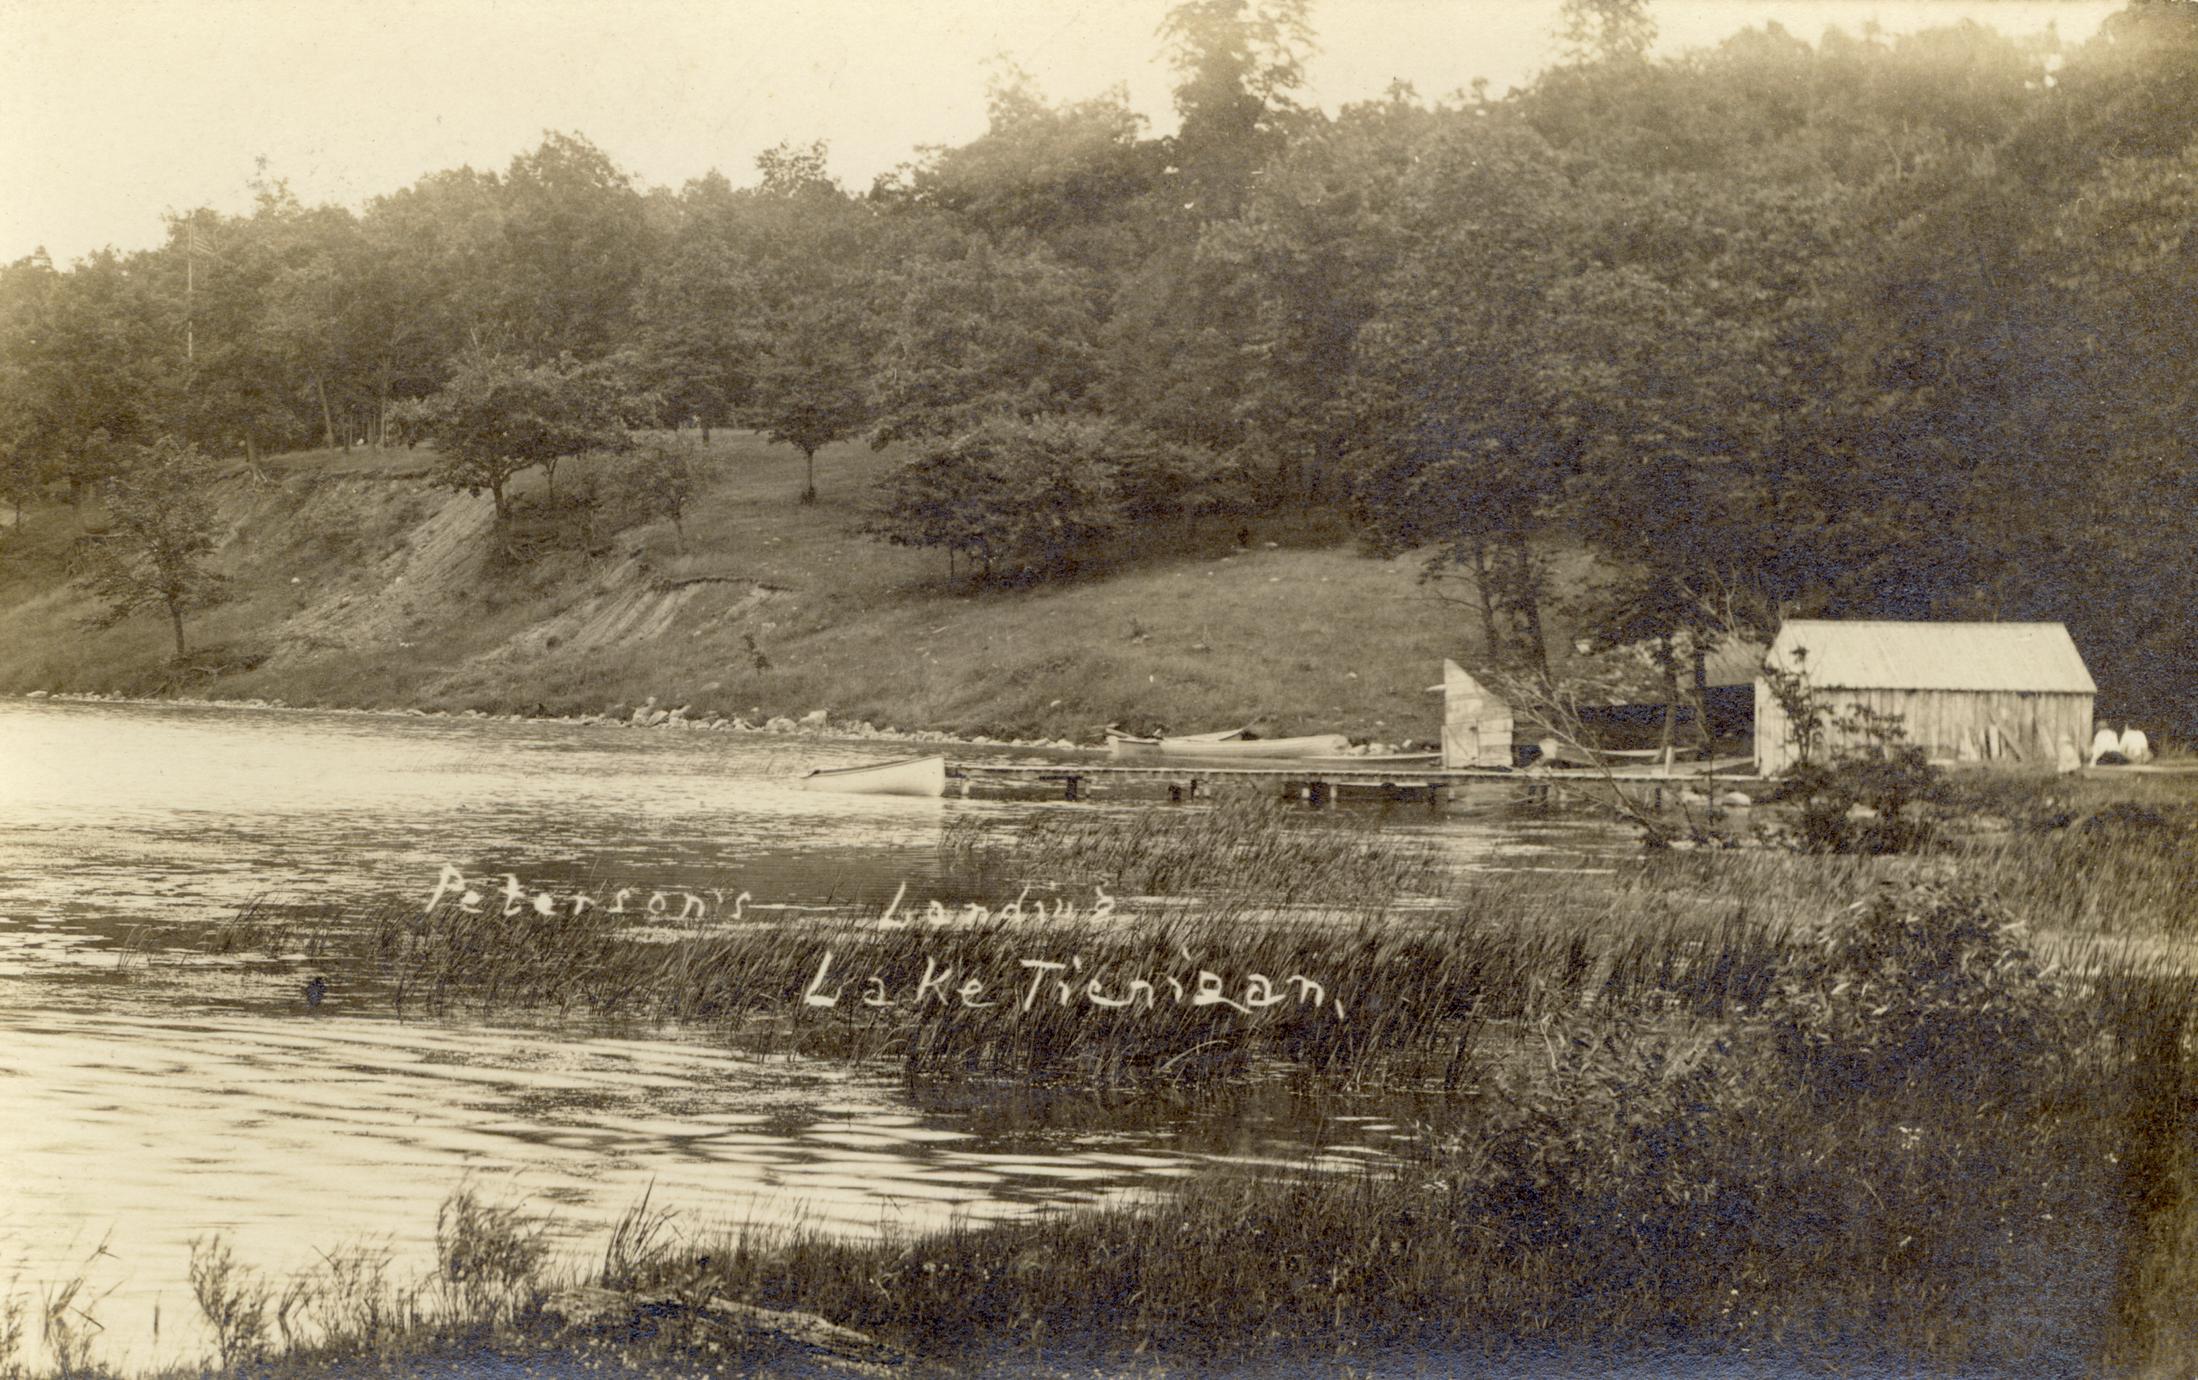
[(2135, 746), (2106, 740)]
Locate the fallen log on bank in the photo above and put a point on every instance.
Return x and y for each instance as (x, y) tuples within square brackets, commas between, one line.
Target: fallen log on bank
[(592, 1309)]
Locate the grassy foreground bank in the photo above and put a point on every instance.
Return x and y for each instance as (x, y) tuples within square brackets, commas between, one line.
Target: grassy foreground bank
[(1896, 1115), (357, 585)]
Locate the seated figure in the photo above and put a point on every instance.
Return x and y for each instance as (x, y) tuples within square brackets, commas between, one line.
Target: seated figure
[(2104, 742), (2135, 746)]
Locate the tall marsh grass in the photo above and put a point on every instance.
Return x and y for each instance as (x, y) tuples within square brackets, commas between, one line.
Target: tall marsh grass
[(2126, 869), (1901, 1112), (1305, 958), (1245, 847), (1917, 1148), (1171, 994)]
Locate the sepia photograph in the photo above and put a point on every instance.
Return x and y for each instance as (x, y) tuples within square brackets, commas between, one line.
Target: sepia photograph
[(1070, 688)]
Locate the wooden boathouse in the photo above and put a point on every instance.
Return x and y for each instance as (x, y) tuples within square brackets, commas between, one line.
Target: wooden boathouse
[(2009, 693)]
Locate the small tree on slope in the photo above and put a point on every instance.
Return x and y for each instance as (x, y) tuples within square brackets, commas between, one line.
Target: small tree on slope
[(163, 525)]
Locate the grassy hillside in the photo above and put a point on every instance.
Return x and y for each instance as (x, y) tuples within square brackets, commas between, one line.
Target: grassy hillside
[(359, 585)]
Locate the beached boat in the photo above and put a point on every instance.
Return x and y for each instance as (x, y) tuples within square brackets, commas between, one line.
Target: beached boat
[(1317, 745), (907, 776), (1130, 745)]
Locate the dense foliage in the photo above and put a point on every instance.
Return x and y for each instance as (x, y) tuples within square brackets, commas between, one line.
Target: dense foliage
[(1861, 327)]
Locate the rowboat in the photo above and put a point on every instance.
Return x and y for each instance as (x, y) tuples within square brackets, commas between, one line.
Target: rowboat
[(1317, 745), (1130, 745), (1374, 761), (907, 776)]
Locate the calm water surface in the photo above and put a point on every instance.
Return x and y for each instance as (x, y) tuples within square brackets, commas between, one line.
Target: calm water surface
[(150, 1093)]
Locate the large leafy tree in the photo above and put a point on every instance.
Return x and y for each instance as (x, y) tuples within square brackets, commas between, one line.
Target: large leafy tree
[(698, 334), (979, 331), (20, 468), (27, 437), (2102, 505), (572, 247), (87, 363), (1466, 422), (267, 306), (428, 290), (811, 276), (812, 381), (1073, 176), (1027, 493), (1321, 231), (1239, 65), (499, 416), (162, 530)]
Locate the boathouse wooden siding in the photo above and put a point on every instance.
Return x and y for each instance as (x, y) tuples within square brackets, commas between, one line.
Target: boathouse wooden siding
[(1476, 724), (2007, 693)]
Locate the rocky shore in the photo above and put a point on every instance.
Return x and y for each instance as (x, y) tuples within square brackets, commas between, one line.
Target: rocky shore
[(650, 714), (817, 723)]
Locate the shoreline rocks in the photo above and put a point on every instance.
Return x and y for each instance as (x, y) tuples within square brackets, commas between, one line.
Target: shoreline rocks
[(815, 724)]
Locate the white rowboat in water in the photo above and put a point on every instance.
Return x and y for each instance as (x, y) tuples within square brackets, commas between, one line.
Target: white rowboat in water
[(907, 776)]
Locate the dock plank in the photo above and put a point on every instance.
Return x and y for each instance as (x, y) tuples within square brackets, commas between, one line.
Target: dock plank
[(1373, 776)]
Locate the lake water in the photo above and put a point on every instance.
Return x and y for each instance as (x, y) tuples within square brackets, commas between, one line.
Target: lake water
[(151, 1093)]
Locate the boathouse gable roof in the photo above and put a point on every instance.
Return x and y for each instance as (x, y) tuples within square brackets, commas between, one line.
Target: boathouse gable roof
[(1887, 655)]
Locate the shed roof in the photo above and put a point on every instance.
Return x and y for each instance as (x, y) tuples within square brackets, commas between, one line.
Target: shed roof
[(1873, 655)]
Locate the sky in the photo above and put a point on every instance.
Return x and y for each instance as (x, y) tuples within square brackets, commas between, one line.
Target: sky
[(113, 112)]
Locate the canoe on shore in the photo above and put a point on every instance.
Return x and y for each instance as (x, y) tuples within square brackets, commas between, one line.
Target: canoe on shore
[(925, 776)]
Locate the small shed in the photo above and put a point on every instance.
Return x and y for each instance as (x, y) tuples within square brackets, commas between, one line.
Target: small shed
[(1476, 723), (1965, 692)]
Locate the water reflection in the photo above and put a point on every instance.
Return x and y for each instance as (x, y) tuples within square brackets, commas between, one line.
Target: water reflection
[(151, 1093), (201, 809), (299, 1135)]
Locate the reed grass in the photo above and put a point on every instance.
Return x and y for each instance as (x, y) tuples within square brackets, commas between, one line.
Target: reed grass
[(1902, 1112), (1393, 992), (1245, 847), (2125, 868), (1917, 1148), (1357, 995)]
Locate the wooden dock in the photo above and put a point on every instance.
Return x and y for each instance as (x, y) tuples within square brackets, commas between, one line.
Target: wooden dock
[(1318, 783)]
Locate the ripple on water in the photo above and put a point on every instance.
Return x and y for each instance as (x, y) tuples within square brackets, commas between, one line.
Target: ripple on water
[(150, 1094), (301, 1135)]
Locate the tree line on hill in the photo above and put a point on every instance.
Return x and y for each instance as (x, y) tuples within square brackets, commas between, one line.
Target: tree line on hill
[(1870, 326)]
